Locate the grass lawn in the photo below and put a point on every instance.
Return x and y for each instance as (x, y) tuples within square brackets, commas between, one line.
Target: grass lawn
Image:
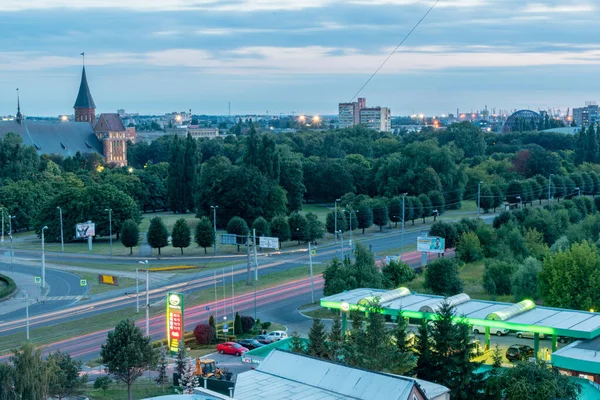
[(54, 333), (142, 388), (96, 287), (169, 219), (320, 210), (204, 266)]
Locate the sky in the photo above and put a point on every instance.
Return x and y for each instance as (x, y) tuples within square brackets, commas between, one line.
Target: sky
[(298, 56)]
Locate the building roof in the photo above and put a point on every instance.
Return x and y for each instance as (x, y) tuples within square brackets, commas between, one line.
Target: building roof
[(109, 122), (63, 138), (567, 130), (524, 316), (583, 356), (84, 97), (289, 376)]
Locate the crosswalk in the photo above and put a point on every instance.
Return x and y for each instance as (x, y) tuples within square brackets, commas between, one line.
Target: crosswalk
[(59, 298)]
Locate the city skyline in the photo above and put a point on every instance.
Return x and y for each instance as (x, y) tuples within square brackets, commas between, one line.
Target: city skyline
[(157, 56)]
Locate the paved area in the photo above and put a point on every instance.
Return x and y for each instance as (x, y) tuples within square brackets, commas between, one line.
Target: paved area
[(25, 283)]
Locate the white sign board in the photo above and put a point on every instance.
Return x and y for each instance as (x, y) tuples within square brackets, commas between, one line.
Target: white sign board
[(389, 259), (431, 244), (85, 229), (269, 242)]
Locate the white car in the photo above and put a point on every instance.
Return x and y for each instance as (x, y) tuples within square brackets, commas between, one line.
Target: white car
[(529, 335), (493, 331), (277, 335)]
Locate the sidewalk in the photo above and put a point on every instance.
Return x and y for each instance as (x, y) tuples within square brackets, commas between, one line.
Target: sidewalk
[(25, 283)]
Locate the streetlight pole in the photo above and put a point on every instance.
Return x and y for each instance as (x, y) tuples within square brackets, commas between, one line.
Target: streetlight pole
[(351, 234), (403, 216), (335, 220), (27, 313), (578, 192), (10, 218), (147, 297), (2, 210), (312, 285), (342, 243), (110, 227), (43, 259), (478, 198), (214, 208), (62, 236), (520, 201), (137, 290), (549, 183)]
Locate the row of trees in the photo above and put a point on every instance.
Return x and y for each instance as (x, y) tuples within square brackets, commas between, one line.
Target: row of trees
[(181, 236)]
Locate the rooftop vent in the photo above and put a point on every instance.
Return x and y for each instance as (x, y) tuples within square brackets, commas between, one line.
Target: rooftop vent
[(387, 296), (453, 301), (512, 311)]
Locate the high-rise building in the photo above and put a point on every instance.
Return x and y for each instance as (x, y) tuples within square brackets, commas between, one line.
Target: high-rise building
[(377, 118), (349, 113), (586, 116)]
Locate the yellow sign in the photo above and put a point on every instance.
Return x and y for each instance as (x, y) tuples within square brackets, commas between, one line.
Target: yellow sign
[(313, 252), (175, 326), (108, 280), (83, 282)]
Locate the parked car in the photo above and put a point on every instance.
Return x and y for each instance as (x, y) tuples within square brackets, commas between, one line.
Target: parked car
[(264, 339), (529, 335), (250, 344), (493, 331), (277, 335), (518, 352), (231, 348)]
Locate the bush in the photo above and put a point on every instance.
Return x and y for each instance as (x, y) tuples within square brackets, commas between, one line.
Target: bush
[(204, 334), (396, 273), (247, 323), (211, 321), (442, 277), (237, 324), (497, 276), (468, 248), (9, 286), (265, 325), (446, 231), (525, 279)]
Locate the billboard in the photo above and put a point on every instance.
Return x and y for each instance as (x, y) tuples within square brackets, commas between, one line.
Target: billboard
[(174, 322), (268, 242), (228, 238), (85, 229), (431, 244), (108, 280)]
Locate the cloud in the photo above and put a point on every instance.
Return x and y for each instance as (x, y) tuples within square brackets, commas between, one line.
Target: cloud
[(540, 8)]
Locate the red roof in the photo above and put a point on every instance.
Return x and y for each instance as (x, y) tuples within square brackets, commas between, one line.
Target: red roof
[(109, 122)]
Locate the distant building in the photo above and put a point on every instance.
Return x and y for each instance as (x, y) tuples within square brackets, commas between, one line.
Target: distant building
[(110, 131), (586, 116), (349, 113), (196, 131), (377, 118)]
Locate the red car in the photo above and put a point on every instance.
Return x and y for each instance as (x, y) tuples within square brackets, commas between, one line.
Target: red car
[(231, 348)]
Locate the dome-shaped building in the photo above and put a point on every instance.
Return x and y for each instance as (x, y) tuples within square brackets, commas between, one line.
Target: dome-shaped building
[(522, 120)]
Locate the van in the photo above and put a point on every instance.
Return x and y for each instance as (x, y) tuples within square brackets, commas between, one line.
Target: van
[(493, 331), (277, 335)]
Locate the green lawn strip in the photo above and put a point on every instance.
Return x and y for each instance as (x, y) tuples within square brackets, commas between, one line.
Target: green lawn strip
[(66, 330), (131, 267), (320, 210), (96, 287), (7, 286), (321, 313), (142, 388)]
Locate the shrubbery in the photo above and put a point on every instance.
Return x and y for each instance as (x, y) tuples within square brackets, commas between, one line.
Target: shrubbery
[(204, 334)]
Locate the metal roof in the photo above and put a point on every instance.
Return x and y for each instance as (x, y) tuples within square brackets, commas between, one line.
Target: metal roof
[(63, 138), (286, 376), (547, 320)]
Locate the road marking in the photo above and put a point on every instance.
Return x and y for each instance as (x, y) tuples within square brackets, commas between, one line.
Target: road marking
[(59, 298)]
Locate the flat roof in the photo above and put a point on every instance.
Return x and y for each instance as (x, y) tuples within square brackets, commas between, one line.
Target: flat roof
[(547, 320), (582, 356)]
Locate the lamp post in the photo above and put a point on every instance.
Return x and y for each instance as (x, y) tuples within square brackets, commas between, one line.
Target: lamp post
[(214, 208), (62, 237), (479, 198), (43, 259), (335, 220), (549, 183), (578, 192), (26, 313), (341, 243), (436, 213), (2, 239), (351, 234), (147, 298), (109, 227), (10, 218), (403, 217), (520, 201)]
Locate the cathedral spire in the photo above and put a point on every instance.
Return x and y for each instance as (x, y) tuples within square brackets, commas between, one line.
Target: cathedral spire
[(19, 115), (85, 108)]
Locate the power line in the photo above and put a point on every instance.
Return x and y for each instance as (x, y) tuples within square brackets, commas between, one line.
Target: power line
[(395, 50)]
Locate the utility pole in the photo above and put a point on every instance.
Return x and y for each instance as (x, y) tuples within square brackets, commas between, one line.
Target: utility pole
[(549, 183), (255, 256), (578, 192), (249, 281), (147, 297), (342, 244), (224, 303), (214, 229), (62, 236), (110, 227), (10, 218), (335, 221), (2, 210), (478, 198), (402, 235), (216, 303), (43, 259), (232, 303), (137, 290), (312, 285), (27, 313)]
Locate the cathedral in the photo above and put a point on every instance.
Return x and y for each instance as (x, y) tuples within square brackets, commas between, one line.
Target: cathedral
[(105, 135)]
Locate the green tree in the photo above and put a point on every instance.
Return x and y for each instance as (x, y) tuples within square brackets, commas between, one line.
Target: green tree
[(7, 382), (380, 213), (423, 346), (468, 248), (130, 234), (204, 235), (127, 353), (442, 277), (437, 201), (426, 206), (314, 228), (31, 375), (211, 322), (297, 346), (468, 138), (280, 229), (237, 226), (317, 336), (486, 199), (347, 275), (396, 273), (364, 215), (413, 208), (261, 226), (298, 226), (445, 230), (400, 332), (395, 209), (342, 222), (497, 276), (237, 326), (176, 181), (67, 379), (181, 235), (335, 339), (525, 280), (102, 382), (537, 381), (570, 279), (158, 236)]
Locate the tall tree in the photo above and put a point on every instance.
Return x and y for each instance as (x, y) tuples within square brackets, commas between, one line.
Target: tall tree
[(314, 228), (161, 368), (31, 375), (204, 235), (67, 379), (176, 181), (423, 345), (442, 277), (335, 339), (395, 209), (298, 226), (427, 206), (280, 228), (364, 215), (261, 226), (237, 226), (317, 336), (127, 353), (191, 163), (380, 213), (158, 236), (252, 155), (130, 234), (181, 235), (342, 221)]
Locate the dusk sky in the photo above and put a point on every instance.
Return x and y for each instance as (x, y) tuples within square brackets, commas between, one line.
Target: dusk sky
[(303, 56)]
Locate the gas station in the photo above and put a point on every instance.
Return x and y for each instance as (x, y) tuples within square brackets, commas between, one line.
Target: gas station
[(524, 316)]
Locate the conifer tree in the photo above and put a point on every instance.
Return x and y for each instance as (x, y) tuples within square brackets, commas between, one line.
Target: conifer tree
[(317, 337), (181, 235)]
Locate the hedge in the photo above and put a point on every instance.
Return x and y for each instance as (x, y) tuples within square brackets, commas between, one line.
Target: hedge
[(10, 287)]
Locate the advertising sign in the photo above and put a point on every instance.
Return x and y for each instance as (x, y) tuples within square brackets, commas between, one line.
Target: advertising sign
[(227, 238), (108, 280), (268, 242), (174, 322), (85, 229), (389, 259), (431, 244)]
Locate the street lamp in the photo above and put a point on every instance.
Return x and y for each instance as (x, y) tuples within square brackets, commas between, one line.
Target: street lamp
[(549, 183), (147, 298), (43, 259), (436, 214), (578, 192), (109, 227), (335, 219), (62, 237), (351, 234), (342, 243), (214, 208), (10, 218), (520, 201), (2, 238)]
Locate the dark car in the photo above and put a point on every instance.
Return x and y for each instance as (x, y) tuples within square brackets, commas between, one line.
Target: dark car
[(250, 344), (263, 339), (519, 352)]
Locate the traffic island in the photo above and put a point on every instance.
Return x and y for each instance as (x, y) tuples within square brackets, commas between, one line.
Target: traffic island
[(8, 288)]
